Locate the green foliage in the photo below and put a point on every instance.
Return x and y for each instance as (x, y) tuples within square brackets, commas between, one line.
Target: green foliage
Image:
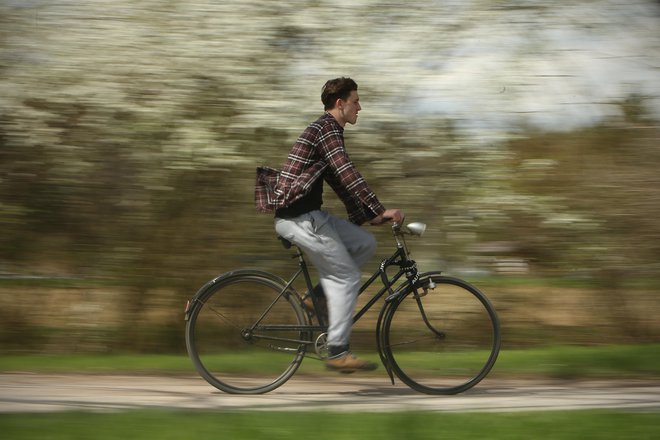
[(569, 362), (129, 139)]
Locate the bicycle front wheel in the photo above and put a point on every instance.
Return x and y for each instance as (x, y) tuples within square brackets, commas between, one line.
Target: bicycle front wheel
[(441, 338), (246, 333)]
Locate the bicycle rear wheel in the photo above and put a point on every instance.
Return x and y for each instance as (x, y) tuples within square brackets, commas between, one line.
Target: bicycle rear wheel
[(245, 333), (442, 338)]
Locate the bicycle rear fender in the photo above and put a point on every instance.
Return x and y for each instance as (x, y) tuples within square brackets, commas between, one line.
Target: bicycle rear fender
[(227, 276)]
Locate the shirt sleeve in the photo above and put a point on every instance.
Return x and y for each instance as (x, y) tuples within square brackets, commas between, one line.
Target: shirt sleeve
[(344, 178)]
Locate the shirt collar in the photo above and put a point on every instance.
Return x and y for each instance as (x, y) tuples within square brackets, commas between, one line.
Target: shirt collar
[(328, 116)]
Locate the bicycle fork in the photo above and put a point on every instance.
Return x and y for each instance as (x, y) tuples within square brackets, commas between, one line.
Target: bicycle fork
[(387, 313)]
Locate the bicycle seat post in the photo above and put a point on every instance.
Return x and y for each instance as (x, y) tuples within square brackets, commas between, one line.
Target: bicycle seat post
[(299, 254)]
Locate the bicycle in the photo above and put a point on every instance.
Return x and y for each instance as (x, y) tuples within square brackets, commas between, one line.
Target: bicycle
[(437, 334)]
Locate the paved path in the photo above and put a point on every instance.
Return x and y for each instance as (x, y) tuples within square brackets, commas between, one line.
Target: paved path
[(43, 393)]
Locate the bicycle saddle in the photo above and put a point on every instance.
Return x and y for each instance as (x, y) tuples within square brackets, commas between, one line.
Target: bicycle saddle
[(286, 243)]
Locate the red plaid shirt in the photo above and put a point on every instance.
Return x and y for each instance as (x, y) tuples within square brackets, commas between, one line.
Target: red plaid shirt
[(318, 152)]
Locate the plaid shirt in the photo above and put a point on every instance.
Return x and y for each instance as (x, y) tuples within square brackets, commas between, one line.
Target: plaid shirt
[(318, 152)]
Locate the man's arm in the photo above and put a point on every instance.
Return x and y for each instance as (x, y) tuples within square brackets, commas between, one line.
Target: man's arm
[(361, 203)]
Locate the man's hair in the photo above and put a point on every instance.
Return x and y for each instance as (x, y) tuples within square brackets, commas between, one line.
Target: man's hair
[(338, 88)]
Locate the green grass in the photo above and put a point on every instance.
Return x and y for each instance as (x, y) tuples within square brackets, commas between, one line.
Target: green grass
[(164, 425), (574, 361), (562, 362), (90, 363)]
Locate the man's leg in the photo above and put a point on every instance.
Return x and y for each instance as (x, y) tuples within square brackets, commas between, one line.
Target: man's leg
[(353, 247), (334, 247), (360, 243), (340, 275)]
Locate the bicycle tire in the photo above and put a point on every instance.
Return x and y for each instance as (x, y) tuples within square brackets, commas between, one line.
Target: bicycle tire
[(451, 350), (221, 344)]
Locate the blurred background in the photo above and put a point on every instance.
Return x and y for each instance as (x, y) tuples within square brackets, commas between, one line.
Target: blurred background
[(525, 134)]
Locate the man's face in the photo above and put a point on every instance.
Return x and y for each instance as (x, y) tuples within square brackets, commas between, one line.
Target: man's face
[(351, 107)]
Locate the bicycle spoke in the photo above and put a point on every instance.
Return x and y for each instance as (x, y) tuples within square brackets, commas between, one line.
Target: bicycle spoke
[(222, 316), (414, 341), (222, 341)]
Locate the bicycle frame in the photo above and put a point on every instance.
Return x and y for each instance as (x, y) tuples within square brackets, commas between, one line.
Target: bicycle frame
[(399, 258)]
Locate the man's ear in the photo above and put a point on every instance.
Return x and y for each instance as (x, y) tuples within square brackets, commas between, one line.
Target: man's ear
[(339, 104)]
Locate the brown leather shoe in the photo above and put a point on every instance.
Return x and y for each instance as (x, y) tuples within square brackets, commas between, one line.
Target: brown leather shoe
[(347, 362)]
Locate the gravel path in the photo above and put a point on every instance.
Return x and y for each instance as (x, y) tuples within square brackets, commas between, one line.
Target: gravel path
[(48, 393)]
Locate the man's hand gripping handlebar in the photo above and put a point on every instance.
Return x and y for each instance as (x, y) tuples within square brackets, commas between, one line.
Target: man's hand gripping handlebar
[(394, 215)]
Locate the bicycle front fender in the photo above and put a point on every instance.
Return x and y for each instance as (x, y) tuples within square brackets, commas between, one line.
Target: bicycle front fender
[(424, 277), (380, 344)]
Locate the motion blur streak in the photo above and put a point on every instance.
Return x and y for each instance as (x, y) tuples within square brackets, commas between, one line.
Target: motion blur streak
[(524, 133)]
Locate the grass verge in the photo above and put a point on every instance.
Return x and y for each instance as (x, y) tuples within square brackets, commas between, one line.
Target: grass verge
[(164, 425), (620, 361)]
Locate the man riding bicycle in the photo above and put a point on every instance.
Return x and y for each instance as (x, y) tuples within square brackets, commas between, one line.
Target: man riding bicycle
[(336, 247)]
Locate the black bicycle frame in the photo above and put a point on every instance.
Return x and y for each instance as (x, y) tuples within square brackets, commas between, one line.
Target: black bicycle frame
[(399, 258)]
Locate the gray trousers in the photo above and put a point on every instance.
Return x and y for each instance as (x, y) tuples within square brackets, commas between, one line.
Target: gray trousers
[(337, 248)]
